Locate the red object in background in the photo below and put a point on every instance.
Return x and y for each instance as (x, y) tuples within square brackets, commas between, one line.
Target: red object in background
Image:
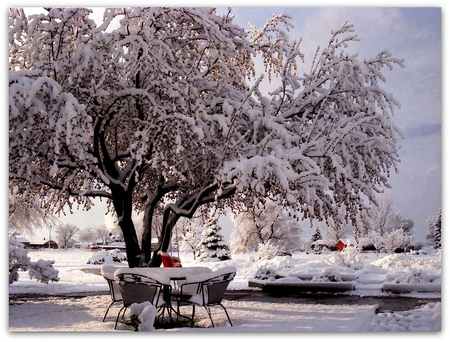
[(168, 261), (341, 245)]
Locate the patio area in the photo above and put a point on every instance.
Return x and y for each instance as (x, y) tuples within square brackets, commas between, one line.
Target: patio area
[(165, 297)]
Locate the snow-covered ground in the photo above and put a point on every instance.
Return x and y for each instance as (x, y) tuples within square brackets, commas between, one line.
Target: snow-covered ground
[(369, 271)]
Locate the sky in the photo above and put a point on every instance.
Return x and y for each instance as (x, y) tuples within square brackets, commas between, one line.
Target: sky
[(412, 34)]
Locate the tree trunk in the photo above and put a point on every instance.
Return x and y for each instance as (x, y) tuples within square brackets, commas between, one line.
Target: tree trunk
[(169, 222), (152, 202), (147, 233), (123, 206), (134, 253)]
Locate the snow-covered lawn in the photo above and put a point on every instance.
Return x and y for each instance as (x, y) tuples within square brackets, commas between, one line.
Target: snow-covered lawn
[(369, 274), (85, 314)]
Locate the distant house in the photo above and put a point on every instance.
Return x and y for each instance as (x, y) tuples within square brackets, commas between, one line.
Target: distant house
[(43, 243), (341, 245), (23, 241), (344, 242), (366, 244), (321, 245), (113, 245)]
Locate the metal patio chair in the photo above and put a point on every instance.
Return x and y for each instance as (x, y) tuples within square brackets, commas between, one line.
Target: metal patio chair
[(209, 292), (137, 288), (114, 291)]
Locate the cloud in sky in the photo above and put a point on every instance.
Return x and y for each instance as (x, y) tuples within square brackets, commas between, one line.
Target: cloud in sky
[(423, 130)]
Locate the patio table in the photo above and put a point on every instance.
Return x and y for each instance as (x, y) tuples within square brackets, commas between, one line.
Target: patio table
[(167, 277)]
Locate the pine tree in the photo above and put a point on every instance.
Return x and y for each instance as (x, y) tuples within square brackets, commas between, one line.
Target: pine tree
[(212, 244), (434, 230), (316, 236), (437, 234)]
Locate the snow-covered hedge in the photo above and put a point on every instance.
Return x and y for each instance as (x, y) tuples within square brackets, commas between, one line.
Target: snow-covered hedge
[(270, 250), (407, 273), (107, 257), (349, 257), (268, 269)]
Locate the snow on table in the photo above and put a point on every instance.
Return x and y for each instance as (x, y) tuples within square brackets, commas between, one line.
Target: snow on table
[(166, 275)]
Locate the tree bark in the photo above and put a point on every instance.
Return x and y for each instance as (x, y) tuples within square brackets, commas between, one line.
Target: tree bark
[(134, 253), (123, 205), (147, 232)]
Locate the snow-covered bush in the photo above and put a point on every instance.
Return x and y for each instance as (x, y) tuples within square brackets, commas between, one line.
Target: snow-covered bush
[(267, 269), (107, 257), (265, 272), (394, 261), (328, 274), (41, 270), (409, 269), (350, 257), (143, 315), (267, 251), (397, 239), (413, 275), (271, 250)]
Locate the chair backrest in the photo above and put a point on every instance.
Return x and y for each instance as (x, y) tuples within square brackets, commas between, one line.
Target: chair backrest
[(114, 290), (214, 289), (210, 291), (108, 274), (138, 289), (138, 293)]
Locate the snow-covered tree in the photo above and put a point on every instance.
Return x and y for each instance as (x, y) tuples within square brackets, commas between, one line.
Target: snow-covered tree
[(434, 230), (191, 233), (166, 108), (316, 235), (381, 226), (212, 243), (397, 239), (266, 223), (41, 270), (65, 233), (26, 218)]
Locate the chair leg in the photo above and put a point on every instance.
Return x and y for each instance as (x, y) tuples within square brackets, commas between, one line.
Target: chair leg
[(226, 312), (209, 314), (178, 312), (118, 315), (104, 317), (208, 310), (169, 311), (193, 314)]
